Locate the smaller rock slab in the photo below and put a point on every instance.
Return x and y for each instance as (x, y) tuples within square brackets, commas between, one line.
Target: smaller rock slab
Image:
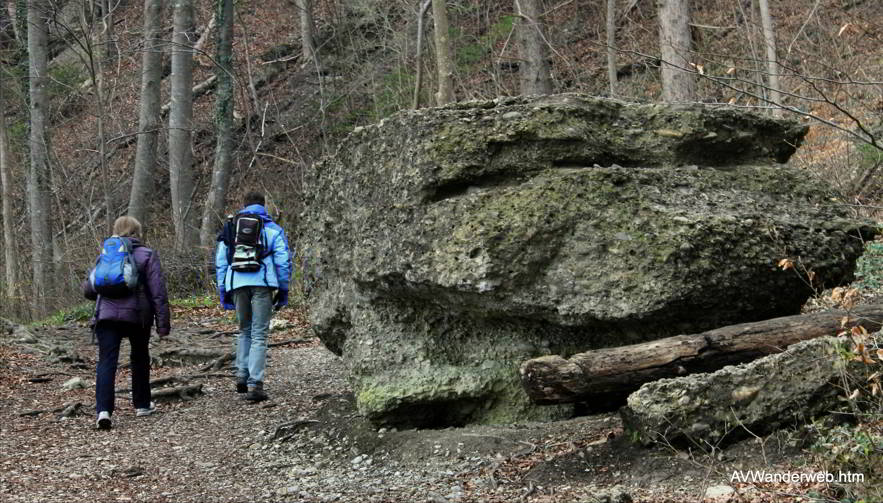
[(757, 397)]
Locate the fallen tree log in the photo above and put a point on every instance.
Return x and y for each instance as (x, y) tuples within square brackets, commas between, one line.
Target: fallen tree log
[(613, 373), (286, 343), (164, 381), (66, 410), (187, 392), (188, 356), (181, 379), (218, 362)]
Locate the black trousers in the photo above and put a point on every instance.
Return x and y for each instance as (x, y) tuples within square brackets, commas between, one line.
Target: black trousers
[(110, 334)]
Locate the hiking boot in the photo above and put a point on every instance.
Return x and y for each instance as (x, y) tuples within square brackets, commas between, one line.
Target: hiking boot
[(256, 393), (146, 412), (241, 385), (104, 422)]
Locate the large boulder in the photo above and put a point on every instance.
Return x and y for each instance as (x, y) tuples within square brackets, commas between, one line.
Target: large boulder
[(454, 243)]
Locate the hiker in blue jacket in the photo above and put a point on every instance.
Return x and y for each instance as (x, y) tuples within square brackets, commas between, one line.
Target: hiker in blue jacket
[(253, 290)]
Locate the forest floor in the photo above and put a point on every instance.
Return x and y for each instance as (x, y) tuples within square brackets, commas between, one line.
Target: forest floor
[(309, 444)]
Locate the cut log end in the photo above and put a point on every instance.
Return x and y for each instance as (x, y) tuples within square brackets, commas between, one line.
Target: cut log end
[(551, 379)]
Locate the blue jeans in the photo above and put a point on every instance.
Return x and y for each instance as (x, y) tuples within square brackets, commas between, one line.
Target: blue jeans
[(110, 334), (254, 307)]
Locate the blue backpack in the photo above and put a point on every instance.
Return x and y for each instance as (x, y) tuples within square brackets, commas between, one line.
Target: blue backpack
[(115, 273)]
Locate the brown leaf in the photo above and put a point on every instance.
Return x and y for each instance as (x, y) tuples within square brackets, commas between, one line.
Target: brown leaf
[(837, 294), (859, 335)]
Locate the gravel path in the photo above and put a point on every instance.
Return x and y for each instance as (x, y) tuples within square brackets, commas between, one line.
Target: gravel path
[(212, 448)]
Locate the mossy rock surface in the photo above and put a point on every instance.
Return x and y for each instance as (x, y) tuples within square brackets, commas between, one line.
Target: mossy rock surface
[(737, 401), (456, 242)]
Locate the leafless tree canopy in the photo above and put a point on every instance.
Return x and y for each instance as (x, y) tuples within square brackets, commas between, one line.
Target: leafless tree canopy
[(100, 126)]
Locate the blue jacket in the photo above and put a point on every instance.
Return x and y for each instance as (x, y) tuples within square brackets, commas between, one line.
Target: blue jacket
[(275, 269)]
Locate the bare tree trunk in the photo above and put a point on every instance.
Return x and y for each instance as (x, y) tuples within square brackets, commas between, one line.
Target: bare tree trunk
[(148, 112), (443, 58), (534, 62), (611, 46), (421, 13), (307, 30), (214, 206), (10, 264), (769, 39), (110, 47), (38, 175), (97, 70), (199, 46), (180, 124), (16, 9), (7, 17), (675, 42)]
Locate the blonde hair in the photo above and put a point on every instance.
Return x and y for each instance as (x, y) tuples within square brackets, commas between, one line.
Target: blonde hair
[(127, 226)]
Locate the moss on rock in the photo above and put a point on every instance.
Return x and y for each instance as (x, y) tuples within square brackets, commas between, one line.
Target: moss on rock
[(456, 242)]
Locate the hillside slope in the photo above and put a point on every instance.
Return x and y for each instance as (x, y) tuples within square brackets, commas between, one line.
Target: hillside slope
[(291, 112)]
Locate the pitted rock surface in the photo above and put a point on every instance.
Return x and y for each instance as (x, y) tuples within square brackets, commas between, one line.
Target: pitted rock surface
[(753, 398), (453, 243)]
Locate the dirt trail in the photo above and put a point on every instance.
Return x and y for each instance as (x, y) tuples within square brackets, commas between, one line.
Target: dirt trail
[(307, 443)]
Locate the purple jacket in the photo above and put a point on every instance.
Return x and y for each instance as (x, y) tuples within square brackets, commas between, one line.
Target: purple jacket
[(150, 302)]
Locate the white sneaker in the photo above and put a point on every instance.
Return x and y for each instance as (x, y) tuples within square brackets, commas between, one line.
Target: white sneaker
[(146, 412), (104, 422)]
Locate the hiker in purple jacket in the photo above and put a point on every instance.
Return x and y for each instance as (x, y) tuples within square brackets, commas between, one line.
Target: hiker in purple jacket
[(129, 317)]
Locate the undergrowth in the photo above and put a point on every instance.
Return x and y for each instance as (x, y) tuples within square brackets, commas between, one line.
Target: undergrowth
[(193, 301), (79, 313), (855, 448), (855, 445), (869, 269)]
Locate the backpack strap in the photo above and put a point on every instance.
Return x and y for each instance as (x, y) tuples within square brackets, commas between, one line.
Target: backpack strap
[(227, 237), (139, 294), (130, 252), (264, 253)]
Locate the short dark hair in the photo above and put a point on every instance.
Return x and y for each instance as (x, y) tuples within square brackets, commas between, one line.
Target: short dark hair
[(253, 197)]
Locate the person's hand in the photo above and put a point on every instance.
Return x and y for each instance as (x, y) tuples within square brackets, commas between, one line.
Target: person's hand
[(227, 300), (281, 299)]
